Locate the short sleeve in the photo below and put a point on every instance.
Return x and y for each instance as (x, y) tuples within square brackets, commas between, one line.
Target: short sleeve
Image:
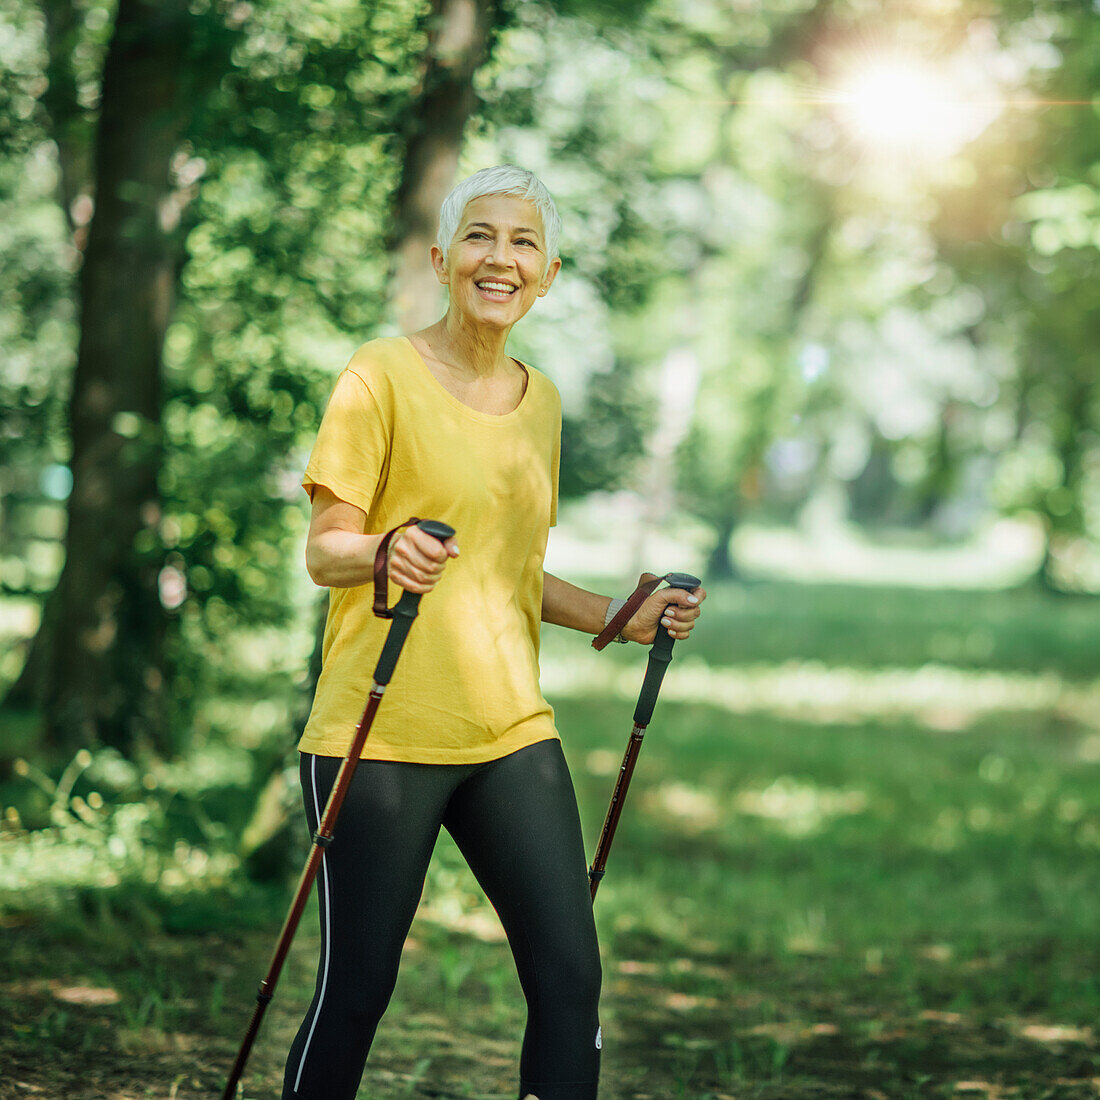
[(351, 453)]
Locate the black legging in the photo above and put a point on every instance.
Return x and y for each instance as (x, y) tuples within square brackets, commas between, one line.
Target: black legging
[(516, 822)]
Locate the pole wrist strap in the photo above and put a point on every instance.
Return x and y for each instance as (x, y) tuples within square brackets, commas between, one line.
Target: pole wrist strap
[(647, 583), (381, 570), (613, 609)]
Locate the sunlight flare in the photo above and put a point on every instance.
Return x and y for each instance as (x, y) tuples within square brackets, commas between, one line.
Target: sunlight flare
[(894, 104)]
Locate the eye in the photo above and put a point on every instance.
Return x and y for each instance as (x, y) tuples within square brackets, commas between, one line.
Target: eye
[(524, 240), (476, 235)]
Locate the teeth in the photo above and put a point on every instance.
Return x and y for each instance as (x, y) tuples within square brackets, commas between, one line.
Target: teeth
[(502, 288)]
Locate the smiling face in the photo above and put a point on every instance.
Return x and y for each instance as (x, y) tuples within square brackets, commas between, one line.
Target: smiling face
[(496, 264)]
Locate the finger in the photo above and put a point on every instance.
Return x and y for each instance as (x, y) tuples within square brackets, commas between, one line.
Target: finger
[(415, 560), (427, 546), (686, 614), (412, 586), (405, 570), (425, 575), (407, 564), (678, 605), (682, 598), (414, 582), (678, 620), (423, 572)]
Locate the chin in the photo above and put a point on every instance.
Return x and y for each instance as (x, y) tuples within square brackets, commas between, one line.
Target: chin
[(492, 318)]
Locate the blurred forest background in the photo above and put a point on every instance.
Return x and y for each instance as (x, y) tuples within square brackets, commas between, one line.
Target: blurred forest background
[(826, 332)]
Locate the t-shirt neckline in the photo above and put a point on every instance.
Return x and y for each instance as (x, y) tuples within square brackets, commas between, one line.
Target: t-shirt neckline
[(461, 406)]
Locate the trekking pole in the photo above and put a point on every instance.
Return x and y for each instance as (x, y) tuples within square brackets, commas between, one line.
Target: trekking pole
[(403, 615), (660, 654)]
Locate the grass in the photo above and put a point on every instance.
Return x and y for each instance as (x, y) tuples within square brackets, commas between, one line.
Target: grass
[(1022, 629), (857, 900)]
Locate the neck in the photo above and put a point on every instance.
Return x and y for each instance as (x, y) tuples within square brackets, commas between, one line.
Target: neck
[(473, 350)]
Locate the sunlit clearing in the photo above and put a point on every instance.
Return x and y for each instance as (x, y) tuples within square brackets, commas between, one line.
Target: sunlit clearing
[(800, 809), (1054, 1033), (903, 106), (85, 994), (690, 806), (941, 698)]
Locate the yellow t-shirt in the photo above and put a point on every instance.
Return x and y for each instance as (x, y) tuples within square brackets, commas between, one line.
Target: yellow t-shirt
[(397, 444)]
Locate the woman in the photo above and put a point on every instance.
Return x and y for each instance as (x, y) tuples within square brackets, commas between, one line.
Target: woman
[(443, 424)]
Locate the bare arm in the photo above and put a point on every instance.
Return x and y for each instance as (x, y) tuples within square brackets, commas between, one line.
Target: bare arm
[(565, 604), (340, 554)]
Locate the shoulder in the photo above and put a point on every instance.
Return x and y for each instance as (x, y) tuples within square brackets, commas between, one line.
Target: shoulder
[(543, 390), (378, 363), (379, 372), (369, 385)]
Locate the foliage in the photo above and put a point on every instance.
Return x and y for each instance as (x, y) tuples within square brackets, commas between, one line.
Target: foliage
[(90, 844), (1052, 229), (756, 305), (281, 192), (37, 318)]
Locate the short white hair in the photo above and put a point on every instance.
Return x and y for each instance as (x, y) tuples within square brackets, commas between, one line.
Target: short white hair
[(504, 179)]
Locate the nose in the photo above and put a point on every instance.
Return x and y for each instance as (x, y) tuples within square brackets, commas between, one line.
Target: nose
[(502, 254)]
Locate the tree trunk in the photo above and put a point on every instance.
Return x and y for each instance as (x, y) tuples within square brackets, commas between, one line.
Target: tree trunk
[(459, 41), (70, 126), (720, 564), (95, 667), (1066, 523)]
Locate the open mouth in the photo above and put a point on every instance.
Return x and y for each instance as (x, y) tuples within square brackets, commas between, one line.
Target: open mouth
[(496, 290)]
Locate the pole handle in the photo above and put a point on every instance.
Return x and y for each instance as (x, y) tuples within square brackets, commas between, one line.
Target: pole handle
[(405, 611), (660, 654), (647, 584), (441, 531)]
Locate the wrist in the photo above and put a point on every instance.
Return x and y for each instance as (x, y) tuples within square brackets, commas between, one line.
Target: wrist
[(613, 609)]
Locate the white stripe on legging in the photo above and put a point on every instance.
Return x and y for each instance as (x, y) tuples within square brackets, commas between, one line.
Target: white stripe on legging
[(326, 908)]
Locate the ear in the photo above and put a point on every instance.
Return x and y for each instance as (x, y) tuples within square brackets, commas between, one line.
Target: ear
[(440, 265), (548, 278)]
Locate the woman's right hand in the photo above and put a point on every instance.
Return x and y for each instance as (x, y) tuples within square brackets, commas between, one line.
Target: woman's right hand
[(416, 559)]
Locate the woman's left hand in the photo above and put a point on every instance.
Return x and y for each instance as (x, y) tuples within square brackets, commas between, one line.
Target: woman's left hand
[(671, 609)]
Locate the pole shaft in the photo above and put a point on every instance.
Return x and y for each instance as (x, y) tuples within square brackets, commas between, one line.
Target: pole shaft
[(615, 809), (301, 895), (660, 654)]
